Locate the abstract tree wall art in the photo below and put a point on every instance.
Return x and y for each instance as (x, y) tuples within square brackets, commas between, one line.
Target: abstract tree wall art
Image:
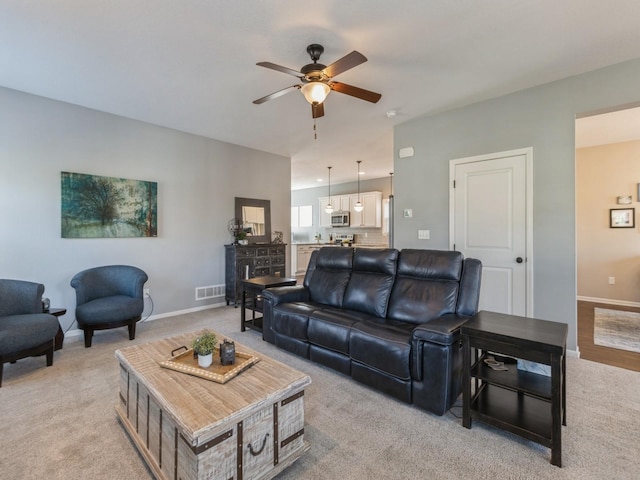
[(108, 207)]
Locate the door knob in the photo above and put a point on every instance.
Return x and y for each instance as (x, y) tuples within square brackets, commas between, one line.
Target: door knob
[(519, 259)]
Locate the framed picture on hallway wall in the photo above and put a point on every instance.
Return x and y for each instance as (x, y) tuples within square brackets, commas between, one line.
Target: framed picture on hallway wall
[(622, 218)]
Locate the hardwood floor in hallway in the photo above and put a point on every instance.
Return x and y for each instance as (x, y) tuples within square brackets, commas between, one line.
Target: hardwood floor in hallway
[(597, 353)]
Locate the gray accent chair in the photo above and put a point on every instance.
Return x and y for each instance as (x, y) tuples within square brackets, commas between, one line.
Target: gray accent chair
[(25, 331), (109, 297)]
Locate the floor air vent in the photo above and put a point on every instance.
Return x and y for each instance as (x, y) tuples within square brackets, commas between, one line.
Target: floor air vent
[(212, 291)]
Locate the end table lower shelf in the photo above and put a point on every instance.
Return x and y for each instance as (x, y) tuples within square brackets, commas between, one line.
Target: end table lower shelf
[(528, 404)]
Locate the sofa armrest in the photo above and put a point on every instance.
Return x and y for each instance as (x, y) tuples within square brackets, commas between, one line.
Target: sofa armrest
[(443, 330), (440, 332), (275, 296)]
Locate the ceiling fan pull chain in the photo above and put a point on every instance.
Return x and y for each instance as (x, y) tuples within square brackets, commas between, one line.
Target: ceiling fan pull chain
[(315, 132)]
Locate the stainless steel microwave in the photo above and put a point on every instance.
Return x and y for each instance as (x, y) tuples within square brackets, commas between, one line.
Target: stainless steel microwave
[(340, 219)]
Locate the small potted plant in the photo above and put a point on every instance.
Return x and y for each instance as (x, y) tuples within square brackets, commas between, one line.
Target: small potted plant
[(241, 237), (204, 346)]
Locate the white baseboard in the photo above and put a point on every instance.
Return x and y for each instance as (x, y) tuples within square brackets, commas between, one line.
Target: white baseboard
[(609, 301), (72, 334)]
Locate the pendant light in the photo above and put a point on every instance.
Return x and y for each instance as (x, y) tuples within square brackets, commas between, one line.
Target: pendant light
[(329, 207), (358, 206)]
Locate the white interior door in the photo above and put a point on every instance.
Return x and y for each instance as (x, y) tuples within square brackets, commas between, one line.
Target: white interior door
[(489, 220)]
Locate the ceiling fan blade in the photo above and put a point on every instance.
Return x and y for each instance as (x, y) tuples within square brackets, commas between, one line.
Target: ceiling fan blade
[(277, 94), (280, 68), (350, 60), (317, 111), (360, 93)]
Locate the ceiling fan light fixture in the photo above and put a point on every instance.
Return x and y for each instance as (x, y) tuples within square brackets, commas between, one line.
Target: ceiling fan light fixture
[(315, 92)]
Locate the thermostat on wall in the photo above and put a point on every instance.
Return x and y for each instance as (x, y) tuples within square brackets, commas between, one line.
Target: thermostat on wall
[(624, 200), (406, 152)]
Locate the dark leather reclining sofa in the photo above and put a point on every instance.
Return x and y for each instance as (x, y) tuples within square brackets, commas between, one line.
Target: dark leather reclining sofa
[(390, 319)]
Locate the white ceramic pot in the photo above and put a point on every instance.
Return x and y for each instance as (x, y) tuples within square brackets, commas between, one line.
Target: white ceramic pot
[(205, 361)]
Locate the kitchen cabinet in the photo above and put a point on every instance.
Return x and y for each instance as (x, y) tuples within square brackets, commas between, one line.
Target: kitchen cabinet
[(339, 202), (371, 214), (303, 255), (370, 217)]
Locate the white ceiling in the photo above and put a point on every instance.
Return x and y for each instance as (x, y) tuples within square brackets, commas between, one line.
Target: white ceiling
[(190, 64)]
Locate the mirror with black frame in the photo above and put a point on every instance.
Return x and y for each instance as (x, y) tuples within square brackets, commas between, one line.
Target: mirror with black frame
[(255, 216)]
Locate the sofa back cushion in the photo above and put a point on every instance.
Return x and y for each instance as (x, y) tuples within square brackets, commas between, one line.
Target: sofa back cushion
[(370, 284), (331, 270), (426, 286)]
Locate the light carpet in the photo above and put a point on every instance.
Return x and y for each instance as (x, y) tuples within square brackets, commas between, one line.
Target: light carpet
[(616, 329), (59, 422)]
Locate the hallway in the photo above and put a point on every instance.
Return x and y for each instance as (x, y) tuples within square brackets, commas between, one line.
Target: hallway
[(596, 353)]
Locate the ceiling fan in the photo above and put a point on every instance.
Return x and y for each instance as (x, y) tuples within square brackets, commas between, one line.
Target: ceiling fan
[(317, 80)]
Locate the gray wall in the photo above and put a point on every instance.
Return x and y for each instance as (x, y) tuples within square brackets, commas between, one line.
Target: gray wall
[(198, 179), (542, 118)]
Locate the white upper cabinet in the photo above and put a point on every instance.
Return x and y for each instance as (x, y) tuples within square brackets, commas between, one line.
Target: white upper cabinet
[(324, 217), (371, 214)]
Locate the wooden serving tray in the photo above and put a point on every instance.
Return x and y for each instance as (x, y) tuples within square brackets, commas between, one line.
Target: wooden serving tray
[(186, 363)]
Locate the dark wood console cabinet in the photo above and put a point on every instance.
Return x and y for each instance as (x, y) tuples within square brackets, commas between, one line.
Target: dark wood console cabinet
[(248, 261)]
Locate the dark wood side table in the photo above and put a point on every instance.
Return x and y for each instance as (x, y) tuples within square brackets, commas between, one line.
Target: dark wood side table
[(58, 312), (525, 403), (254, 287)]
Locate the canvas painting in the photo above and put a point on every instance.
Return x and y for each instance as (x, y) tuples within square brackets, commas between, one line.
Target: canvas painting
[(108, 207)]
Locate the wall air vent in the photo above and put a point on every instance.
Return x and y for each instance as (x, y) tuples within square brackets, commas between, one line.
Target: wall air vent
[(212, 291)]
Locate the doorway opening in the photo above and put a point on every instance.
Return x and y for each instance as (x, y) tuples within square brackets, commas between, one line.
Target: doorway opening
[(608, 257)]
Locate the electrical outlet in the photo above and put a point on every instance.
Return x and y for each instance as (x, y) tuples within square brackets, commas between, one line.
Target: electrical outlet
[(612, 280), (147, 292)]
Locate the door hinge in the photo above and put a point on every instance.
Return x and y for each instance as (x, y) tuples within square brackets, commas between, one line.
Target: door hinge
[(454, 184)]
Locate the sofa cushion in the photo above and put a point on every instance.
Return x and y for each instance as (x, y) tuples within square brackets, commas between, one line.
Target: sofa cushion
[(20, 332), (330, 328), (109, 309), (370, 284), (383, 346), (292, 319), (375, 260), (431, 264), (418, 301), (331, 274), (427, 285)]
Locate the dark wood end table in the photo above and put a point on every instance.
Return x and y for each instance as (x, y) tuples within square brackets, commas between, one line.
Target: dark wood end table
[(254, 287), (528, 404), (58, 312)]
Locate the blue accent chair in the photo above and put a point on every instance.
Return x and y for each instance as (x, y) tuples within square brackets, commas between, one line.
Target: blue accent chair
[(109, 297), (25, 331)]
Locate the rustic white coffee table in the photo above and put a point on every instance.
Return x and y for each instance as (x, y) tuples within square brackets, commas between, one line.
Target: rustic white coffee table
[(251, 427)]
